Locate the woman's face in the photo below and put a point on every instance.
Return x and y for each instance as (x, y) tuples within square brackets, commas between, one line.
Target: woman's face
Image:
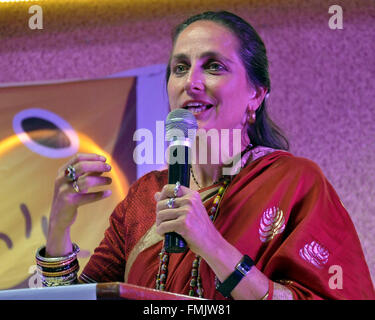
[(208, 77)]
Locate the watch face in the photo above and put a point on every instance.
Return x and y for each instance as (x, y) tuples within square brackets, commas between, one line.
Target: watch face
[(245, 265), (243, 268)]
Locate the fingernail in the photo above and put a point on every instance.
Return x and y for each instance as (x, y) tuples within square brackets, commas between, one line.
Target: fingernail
[(107, 193), (103, 158), (108, 167)]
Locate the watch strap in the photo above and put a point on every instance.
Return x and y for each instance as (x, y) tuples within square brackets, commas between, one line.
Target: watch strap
[(240, 271)]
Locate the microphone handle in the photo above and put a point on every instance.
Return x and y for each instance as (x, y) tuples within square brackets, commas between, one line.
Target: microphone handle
[(174, 243)]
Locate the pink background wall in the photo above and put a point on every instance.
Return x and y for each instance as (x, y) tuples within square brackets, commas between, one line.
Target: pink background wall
[(322, 80)]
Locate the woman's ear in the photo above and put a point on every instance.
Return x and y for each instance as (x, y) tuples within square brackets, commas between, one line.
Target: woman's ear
[(257, 97)]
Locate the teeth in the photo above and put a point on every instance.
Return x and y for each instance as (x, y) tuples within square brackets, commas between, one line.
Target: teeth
[(198, 109), (195, 104)]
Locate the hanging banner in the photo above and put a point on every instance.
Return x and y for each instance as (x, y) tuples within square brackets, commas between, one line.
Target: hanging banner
[(41, 127)]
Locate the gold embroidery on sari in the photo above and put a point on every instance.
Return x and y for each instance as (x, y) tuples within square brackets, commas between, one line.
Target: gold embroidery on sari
[(271, 224), (315, 253), (148, 240)]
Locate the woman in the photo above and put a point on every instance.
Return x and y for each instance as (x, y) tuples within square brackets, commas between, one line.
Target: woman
[(276, 230)]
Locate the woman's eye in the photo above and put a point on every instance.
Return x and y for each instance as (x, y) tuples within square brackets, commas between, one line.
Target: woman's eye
[(180, 68), (215, 66)]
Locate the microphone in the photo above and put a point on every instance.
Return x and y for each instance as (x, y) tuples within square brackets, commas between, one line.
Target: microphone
[(180, 128)]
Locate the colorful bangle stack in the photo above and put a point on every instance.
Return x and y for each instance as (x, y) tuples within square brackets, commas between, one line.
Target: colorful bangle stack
[(57, 271)]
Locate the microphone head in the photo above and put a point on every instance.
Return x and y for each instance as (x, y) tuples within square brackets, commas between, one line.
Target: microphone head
[(180, 124)]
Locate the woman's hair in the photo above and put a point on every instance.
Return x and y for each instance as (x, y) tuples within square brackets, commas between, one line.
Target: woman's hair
[(264, 132)]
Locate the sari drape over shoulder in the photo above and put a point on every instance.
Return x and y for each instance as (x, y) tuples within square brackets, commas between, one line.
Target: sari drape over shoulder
[(280, 210)]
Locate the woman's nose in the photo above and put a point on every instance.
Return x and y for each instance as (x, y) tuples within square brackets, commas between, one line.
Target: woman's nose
[(194, 83)]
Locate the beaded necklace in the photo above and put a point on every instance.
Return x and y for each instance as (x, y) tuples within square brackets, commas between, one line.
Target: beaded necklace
[(195, 281)]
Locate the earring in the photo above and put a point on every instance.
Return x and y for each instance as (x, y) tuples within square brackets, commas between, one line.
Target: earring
[(251, 116)]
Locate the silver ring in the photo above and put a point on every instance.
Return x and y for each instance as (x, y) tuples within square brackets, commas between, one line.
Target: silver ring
[(170, 203), (176, 188), (75, 186), (70, 173)]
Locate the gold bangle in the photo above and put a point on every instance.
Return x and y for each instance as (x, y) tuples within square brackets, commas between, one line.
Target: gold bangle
[(56, 264), (269, 294), (265, 296)]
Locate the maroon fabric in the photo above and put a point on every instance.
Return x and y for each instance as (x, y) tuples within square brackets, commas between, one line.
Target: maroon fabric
[(313, 233)]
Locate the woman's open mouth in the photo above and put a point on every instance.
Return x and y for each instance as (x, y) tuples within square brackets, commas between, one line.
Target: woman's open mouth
[(197, 108)]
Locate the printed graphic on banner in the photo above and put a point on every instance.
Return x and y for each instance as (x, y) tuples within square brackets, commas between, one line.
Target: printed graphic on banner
[(41, 127)]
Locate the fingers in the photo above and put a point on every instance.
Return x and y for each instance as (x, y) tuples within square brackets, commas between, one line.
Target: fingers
[(69, 195), (177, 203), (157, 196), (168, 191), (183, 197), (84, 167), (188, 216), (83, 163), (169, 215), (75, 199), (90, 181), (82, 157), (178, 225), (89, 168), (93, 196)]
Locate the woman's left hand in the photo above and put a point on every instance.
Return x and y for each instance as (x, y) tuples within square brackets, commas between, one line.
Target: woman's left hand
[(188, 218)]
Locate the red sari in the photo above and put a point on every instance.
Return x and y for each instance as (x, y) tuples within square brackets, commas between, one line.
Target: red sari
[(280, 210)]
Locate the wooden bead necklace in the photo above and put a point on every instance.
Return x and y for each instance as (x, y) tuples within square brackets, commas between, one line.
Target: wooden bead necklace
[(196, 288)]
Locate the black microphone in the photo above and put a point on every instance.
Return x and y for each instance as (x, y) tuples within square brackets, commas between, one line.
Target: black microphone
[(180, 128)]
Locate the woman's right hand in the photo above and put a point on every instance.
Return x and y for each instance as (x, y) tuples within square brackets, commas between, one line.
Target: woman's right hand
[(89, 168)]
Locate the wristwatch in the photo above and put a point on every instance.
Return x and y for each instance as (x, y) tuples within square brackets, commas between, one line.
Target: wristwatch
[(241, 269)]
